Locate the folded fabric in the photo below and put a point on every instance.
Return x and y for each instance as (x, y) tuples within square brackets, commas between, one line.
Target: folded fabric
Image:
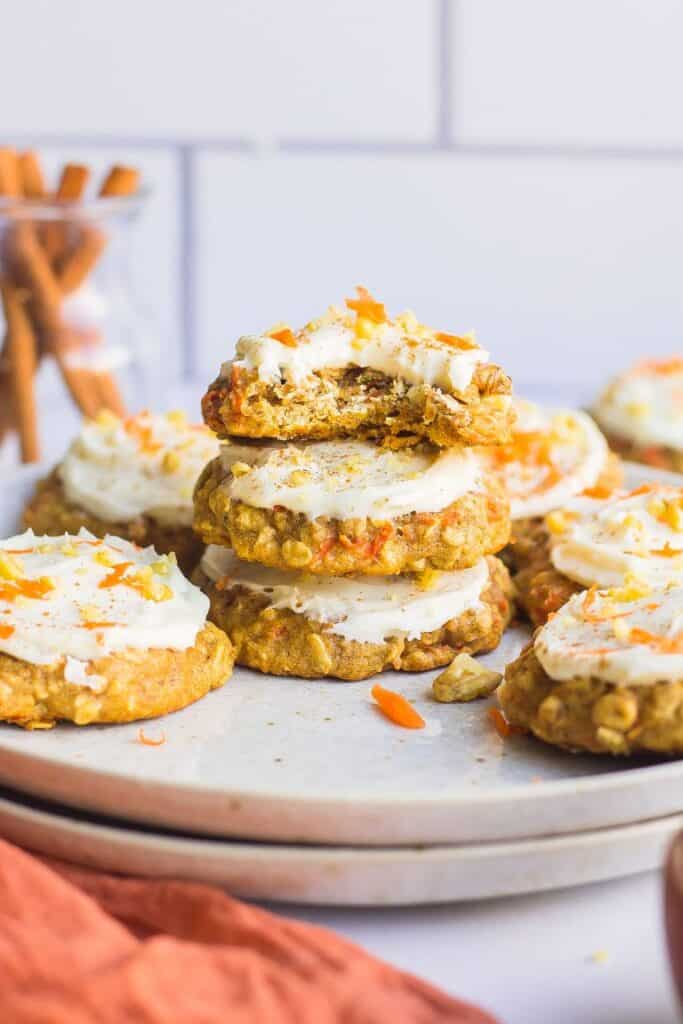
[(80, 947)]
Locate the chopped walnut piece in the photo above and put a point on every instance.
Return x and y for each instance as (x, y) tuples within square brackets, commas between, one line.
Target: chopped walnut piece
[(464, 680)]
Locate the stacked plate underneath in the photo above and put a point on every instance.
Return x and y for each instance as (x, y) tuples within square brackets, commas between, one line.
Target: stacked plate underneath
[(295, 790)]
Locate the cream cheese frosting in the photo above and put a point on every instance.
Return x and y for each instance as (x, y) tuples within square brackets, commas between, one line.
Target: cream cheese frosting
[(400, 348), (79, 598), (598, 541), (368, 609), (349, 479), (628, 643), (645, 404), (554, 455), (146, 465)]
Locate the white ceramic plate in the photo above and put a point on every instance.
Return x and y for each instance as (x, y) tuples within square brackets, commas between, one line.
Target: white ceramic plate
[(309, 761), (342, 876)]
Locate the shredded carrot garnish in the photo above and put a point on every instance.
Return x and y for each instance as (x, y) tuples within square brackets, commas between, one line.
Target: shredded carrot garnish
[(659, 367), (502, 726), (367, 307), (643, 489), (6, 632), (455, 340), (590, 615), (599, 491), (99, 625), (143, 435), (500, 723), (150, 742), (530, 448), (397, 709), (665, 644), (285, 337), (666, 552), (35, 589), (115, 576)]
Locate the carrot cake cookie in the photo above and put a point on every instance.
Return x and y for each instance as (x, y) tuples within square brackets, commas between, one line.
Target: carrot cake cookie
[(555, 455), (133, 478), (99, 630), (641, 413), (353, 627), (602, 542), (340, 507), (357, 372), (604, 675)]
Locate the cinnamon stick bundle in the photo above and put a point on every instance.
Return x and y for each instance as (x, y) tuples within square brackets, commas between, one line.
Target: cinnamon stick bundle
[(42, 264)]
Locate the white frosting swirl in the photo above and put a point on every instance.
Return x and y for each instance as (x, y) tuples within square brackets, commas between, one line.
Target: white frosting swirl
[(645, 405), (554, 455), (632, 643), (147, 465), (365, 608), (400, 348), (350, 479), (53, 603), (603, 539)]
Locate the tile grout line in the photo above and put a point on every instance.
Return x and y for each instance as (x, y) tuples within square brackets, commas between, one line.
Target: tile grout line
[(444, 72), (186, 258), (391, 147)]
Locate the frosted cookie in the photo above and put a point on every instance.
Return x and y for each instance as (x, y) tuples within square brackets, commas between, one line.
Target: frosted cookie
[(133, 478), (555, 455), (601, 542), (357, 372), (98, 630), (641, 413), (604, 675), (340, 507), (352, 628)]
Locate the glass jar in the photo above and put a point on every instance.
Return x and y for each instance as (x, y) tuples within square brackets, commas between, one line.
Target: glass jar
[(68, 299)]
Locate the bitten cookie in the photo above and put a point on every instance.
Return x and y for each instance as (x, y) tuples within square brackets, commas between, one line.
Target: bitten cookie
[(357, 372)]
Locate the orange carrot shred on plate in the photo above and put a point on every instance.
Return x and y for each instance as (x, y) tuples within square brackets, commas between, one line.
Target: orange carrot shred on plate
[(502, 726), (147, 742), (6, 632), (397, 709)]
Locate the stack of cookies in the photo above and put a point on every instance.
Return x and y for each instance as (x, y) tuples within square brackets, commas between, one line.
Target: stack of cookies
[(350, 524)]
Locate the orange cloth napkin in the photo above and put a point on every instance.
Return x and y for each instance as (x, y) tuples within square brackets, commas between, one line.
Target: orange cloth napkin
[(78, 947)]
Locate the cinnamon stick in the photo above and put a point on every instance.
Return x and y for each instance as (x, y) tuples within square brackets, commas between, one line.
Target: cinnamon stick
[(72, 183), (21, 355), (9, 172), (9, 186), (31, 176), (46, 297), (120, 181)]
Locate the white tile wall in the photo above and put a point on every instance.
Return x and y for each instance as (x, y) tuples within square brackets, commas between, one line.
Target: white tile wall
[(459, 156), (564, 268), (601, 72), (211, 68)]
